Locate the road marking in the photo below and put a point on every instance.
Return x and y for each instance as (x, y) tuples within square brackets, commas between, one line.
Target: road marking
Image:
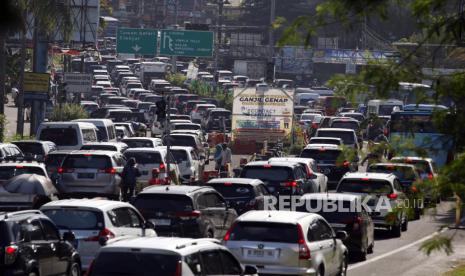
[(387, 254)]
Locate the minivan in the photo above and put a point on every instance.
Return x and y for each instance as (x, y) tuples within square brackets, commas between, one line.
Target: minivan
[(105, 129), (67, 135)]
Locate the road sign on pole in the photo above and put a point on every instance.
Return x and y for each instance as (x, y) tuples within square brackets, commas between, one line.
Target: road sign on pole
[(186, 43), (136, 41)]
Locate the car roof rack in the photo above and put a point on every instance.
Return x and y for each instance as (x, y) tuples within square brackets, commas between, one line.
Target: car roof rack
[(197, 241), (19, 213)]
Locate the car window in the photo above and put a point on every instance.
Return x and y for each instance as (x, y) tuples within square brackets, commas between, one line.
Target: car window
[(397, 185), (264, 232), (124, 217), (56, 135), (75, 218), (263, 189), (230, 265), (50, 231), (212, 262), (7, 172), (214, 201), (87, 161), (145, 157), (34, 231), (322, 231), (193, 261)]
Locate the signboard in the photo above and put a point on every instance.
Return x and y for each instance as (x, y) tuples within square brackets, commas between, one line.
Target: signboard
[(260, 115), (78, 82), (351, 68), (186, 43), (294, 60), (36, 82), (136, 41), (343, 56)]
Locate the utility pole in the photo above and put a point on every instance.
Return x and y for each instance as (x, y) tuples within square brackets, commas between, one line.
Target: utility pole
[(2, 79), (272, 19), (168, 132), (20, 99)]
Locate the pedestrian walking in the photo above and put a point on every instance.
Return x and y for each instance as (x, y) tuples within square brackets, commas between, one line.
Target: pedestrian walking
[(217, 156), (226, 156), (129, 179)]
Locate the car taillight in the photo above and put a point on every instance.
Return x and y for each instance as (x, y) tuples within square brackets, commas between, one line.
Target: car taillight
[(162, 168), (314, 125), (188, 215), (228, 233), (108, 170), (392, 196), (357, 223), (304, 251), (10, 254), (104, 233), (430, 176), (346, 164), (178, 271), (289, 184), (64, 170)]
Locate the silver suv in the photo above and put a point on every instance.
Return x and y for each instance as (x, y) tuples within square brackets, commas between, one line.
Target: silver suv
[(167, 256), (284, 242), (96, 221), (91, 173)]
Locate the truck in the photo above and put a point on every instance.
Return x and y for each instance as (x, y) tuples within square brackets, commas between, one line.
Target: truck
[(153, 70), (254, 69)]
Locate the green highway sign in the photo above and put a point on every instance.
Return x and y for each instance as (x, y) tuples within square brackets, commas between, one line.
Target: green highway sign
[(136, 41), (186, 43)]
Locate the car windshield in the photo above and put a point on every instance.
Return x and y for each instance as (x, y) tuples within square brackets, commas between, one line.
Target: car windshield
[(56, 135), (138, 143), (309, 117), (150, 204), (324, 141), (179, 155), (187, 126), (264, 232), (364, 186), (7, 172), (229, 190), (99, 147), (33, 148), (182, 141), (321, 154), (144, 157), (349, 212), (346, 136), (135, 264), (421, 165), (267, 173), (403, 173), (75, 219), (87, 161), (102, 133), (386, 110)]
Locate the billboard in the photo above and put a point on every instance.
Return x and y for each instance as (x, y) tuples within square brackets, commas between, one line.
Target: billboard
[(264, 114)]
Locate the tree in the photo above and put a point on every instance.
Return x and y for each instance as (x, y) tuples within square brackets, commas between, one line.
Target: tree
[(436, 20)]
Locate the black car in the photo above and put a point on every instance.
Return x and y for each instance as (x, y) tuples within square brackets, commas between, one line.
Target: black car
[(349, 216), (241, 194), (217, 119), (329, 161), (280, 178), (30, 244), (185, 211)]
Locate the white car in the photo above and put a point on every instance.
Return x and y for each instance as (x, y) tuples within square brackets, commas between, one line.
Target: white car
[(189, 164), (199, 111), (288, 242), (95, 221), (167, 256), (319, 180)]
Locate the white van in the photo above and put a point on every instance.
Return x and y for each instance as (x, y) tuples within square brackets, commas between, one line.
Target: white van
[(304, 98), (383, 107), (105, 129), (67, 135)]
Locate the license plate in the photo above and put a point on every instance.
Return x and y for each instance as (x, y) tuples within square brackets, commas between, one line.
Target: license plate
[(85, 175), (162, 222), (260, 253)]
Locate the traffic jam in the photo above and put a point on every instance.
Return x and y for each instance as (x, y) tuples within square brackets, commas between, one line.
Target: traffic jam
[(161, 180)]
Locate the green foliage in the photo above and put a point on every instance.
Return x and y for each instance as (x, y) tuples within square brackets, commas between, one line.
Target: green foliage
[(176, 79), (437, 243), (68, 112)]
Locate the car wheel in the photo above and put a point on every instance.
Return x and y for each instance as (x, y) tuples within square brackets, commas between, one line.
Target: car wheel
[(371, 248), (343, 269), (417, 214), (405, 225), (396, 231), (210, 234), (362, 255), (74, 269), (320, 272)]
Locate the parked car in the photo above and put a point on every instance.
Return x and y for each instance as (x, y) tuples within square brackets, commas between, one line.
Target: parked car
[(379, 186), (189, 164), (288, 243), (349, 216), (241, 194), (90, 173), (10, 152), (30, 244), (76, 133), (167, 256), (9, 170), (185, 211), (96, 221), (36, 149)]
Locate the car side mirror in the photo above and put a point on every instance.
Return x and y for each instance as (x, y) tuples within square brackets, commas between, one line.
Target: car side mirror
[(149, 225), (250, 270), (341, 235), (69, 237)]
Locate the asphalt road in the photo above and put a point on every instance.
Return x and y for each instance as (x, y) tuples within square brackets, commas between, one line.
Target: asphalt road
[(401, 256)]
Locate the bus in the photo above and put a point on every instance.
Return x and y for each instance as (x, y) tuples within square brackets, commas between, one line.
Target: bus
[(331, 104), (415, 124), (383, 107)]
